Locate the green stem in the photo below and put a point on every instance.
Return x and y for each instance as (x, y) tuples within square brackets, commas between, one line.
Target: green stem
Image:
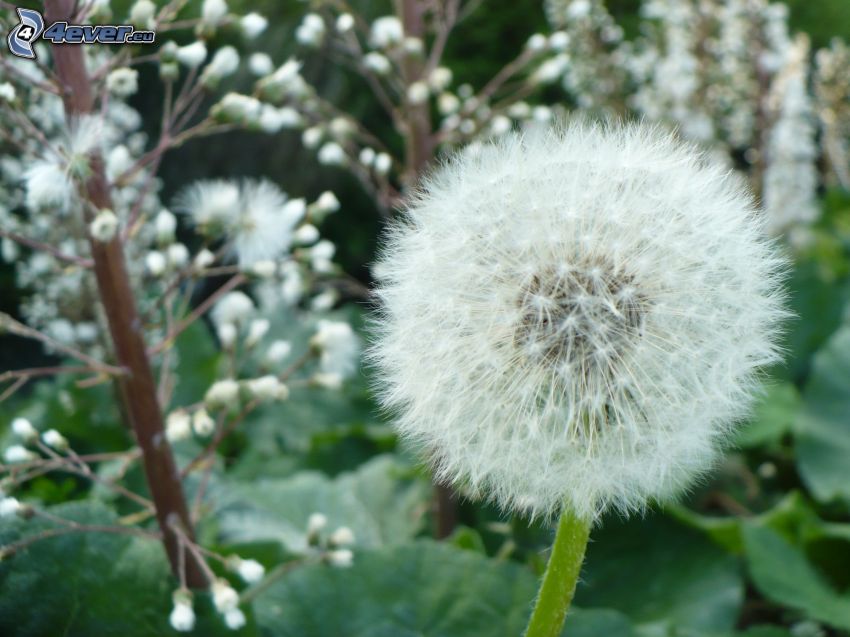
[(559, 581)]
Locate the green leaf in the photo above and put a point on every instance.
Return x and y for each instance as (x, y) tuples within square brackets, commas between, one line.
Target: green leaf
[(383, 502), (823, 428), (197, 364), (784, 575), (773, 417), (663, 576), (424, 589)]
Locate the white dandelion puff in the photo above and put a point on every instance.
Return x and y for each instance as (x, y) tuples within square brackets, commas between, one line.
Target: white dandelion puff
[(576, 317)]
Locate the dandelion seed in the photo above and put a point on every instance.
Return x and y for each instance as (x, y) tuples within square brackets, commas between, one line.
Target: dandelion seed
[(576, 318)]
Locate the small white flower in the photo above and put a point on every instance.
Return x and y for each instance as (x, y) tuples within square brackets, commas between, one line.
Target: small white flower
[(331, 154), (23, 429), (267, 388), (18, 453), (225, 598), (311, 137), (7, 92), (182, 617), (264, 269), (306, 234), (239, 109), (440, 78), (234, 307), (327, 203), (413, 46), (224, 63), (278, 351), (256, 331), (155, 263), (213, 11), (9, 507), (202, 424), (178, 255), (53, 438), (383, 163), (222, 393), (253, 24), (417, 93), (178, 426), (272, 119), (338, 346), (316, 523), (327, 380), (343, 536), (227, 333), (250, 570), (192, 55), (536, 42), (118, 160), (266, 221), (165, 224), (500, 125), (386, 31), (367, 156), (344, 23), (204, 259), (210, 203), (123, 82), (142, 13), (104, 226), (552, 69), (377, 63), (341, 558), (324, 301), (311, 31), (447, 103), (292, 287), (559, 41), (234, 619), (599, 353), (260, 64), (541, 114), (48, 185)]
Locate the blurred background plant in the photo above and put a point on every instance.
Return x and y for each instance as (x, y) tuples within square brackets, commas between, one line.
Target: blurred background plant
[(252, 157)]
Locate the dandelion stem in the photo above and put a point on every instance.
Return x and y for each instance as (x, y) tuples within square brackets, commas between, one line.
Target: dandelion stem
[(559, 581)]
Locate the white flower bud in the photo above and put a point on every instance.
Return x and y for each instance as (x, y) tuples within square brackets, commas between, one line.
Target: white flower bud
[(23, 429), (413, 46), (9, 507), (222, 394), (541, 114), (204, 259), (260, 64), (383, 163), (178, 255), (213, 11), (500, 125), (253, 24), (182, 617), (386, 31), (328, 380), (17, 454), (278, 351), (234, 619), (311, 31), (306, 234), (202, 424), (224, 63), (344, 23), (327, 203), (142, 13), (311, 137), (225, 598), (323, 302), (316, 523), (264, 269), (367, 156), (234, 307), (104, 226), (341, 558), (53, 438), (377, 63), (343, 536), (165, 224), (559, 41), (7, 92), (178, 426), (536, 42), (192, 55), (417, 93), (332, 154), (447, 103), (267, 388), (250, 570), (155, 263), (440, 78), (227, 333), (256, 331)]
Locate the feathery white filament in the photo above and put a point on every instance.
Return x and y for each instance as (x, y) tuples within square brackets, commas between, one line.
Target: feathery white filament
[(576, 317)]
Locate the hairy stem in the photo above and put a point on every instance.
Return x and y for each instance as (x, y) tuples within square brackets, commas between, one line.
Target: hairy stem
[(138, 388), (559, 581)]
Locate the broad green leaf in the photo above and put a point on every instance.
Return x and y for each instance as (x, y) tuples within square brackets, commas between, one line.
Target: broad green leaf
[(383, 502), (424, 589), (773, 416), (823, 428), (197, 364), (663, 576), (784, 575)]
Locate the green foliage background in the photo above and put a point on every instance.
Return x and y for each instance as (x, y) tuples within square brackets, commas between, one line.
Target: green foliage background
[(760, 550)]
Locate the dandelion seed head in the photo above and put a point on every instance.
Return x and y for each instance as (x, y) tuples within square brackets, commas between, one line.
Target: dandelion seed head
[(576, 317)]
